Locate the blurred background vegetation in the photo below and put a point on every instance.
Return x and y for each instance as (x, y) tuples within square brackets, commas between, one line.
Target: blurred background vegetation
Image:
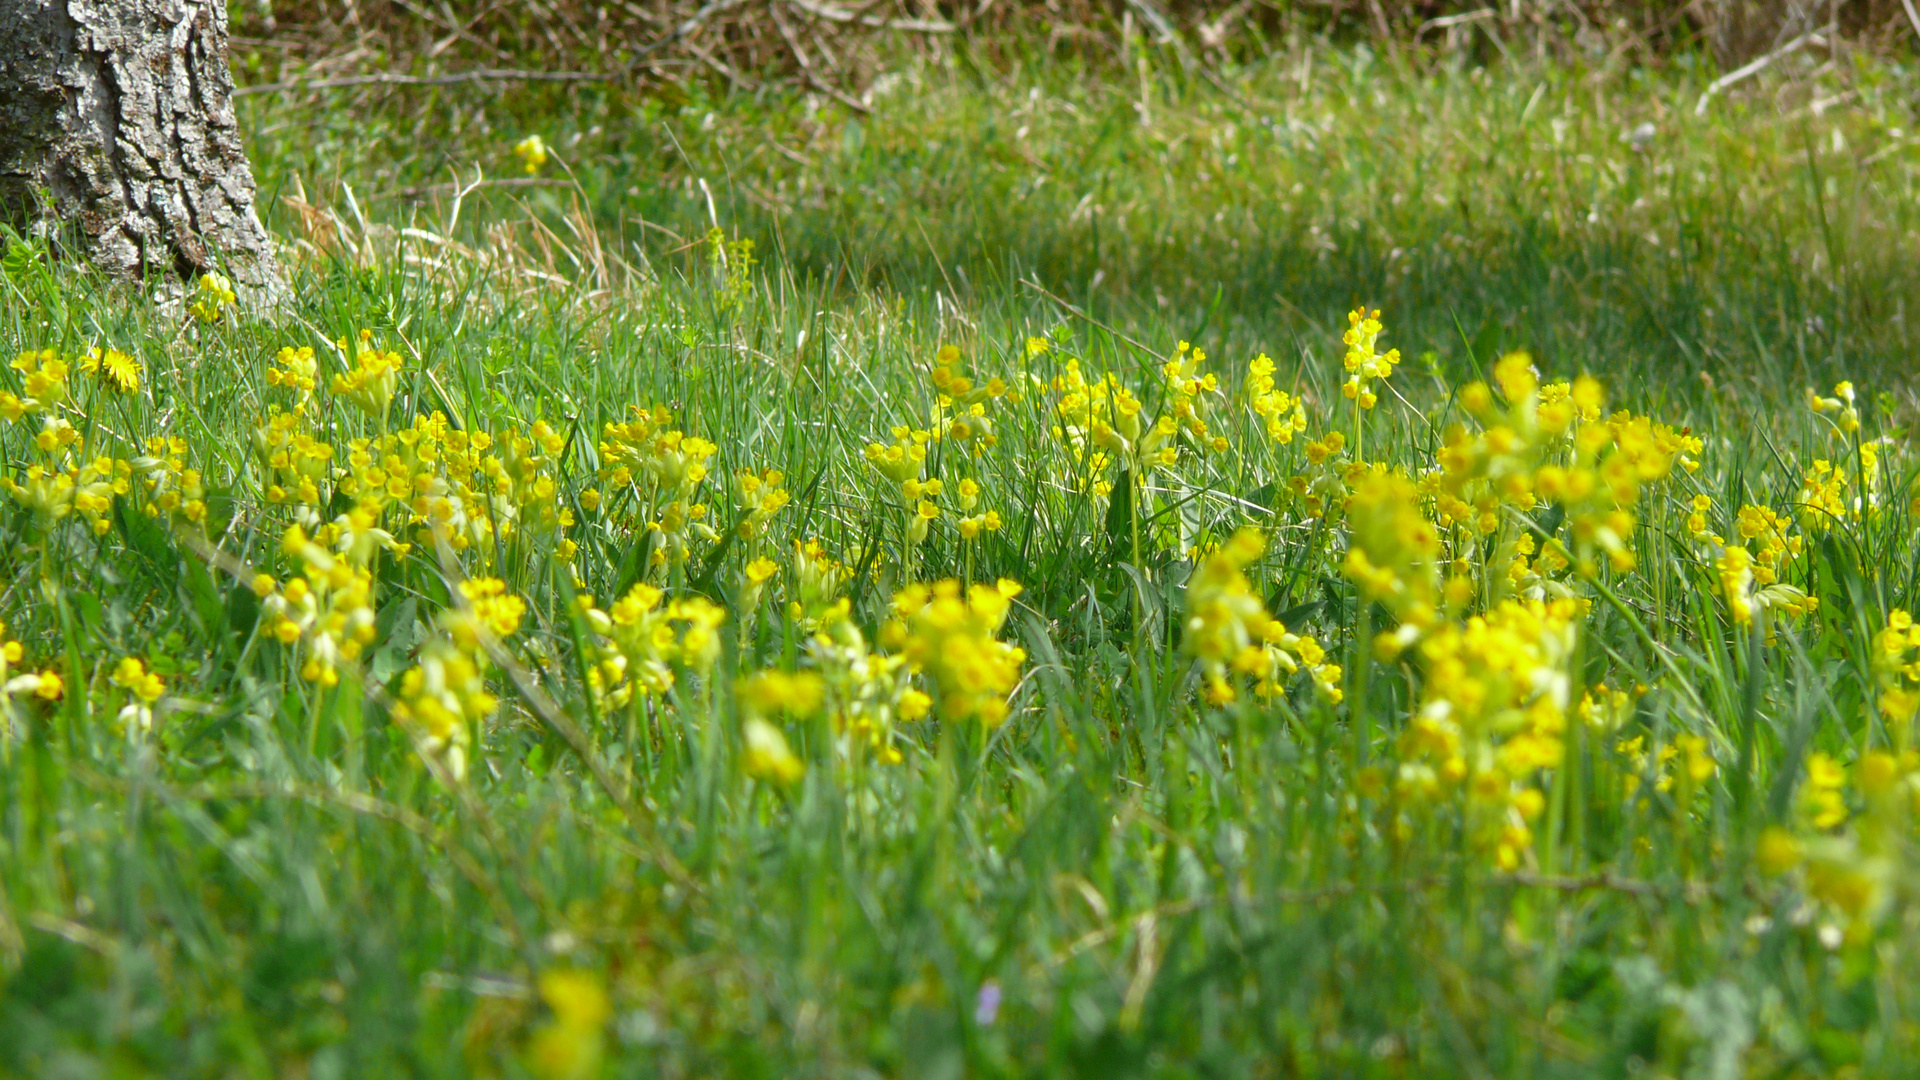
[(1721, 189)]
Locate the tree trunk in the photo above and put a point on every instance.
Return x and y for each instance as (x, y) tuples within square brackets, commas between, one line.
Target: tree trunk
[(116, 116)]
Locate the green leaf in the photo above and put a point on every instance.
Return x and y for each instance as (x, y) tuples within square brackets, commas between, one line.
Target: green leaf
[(1119, 524), (145, 537), (208, 604)]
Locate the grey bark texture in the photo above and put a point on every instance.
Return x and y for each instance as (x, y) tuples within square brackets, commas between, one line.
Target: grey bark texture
[(116, 117)]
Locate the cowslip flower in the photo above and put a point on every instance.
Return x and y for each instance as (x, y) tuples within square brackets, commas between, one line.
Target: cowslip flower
[(213, 299), (753, 581), (765, 754), (1845, 414), (1228, 630), (296, 369), (572, 1042), (144, 688), (951, 636), (43, 376), (532, 152), (371, 379), (1364, 362)]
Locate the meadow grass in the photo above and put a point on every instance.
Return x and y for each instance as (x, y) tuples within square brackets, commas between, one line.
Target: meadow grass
[(416, 706)]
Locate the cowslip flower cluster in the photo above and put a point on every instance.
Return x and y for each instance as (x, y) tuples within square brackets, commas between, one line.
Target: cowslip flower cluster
[(61, 478), (1228, 631), (1849, 842), (294, 463), (815, 586), (571, 1043), (757, 498), (144, 689), (1364, 362), (901, 465), (328, 610), (1492, 715), (765, 753), (371, 378), (71, 484), (532, 152), (643, 638), (443, 698), (1393, 552), (951, 635), (1840, 410), (524, 494), (960, 404), (1896, 672), (173, 491), (214, 298), (1282, 414), (294, 369), (43, 377), (661, 467), (1823, 496), (1188, 389), (1830, 494), (1748, 569), (868, 694), (1548, 446), (451, 486), (1681, 765), (973, 522), (1101, 422), (17, 681)]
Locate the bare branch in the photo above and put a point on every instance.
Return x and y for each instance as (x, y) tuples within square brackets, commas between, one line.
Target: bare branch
[(384, 78), (841, 15)]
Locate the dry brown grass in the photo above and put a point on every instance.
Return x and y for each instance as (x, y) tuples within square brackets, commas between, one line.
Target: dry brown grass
[(837, 46)]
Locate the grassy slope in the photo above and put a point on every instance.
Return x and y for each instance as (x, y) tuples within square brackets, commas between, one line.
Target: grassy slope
[(1511, 203), (276, 887)]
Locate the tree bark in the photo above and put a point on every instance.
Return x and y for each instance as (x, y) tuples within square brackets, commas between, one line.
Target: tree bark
[(116, 117)]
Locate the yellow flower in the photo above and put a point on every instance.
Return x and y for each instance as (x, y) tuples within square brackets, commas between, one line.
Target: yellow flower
[(900, 461), (213, 299), (1364, 363), (45, 685), (132, 675), (492, 608), (1846, 416), (1779, 852), (1394, 552), (759, 497), (924, 515), (1228, 630), (950, 635), (796, 694), (1821, 800), (44, 378), (329, 611), (1698, 759), (754, 578), (570, 1045), (765, 754), (297, 370), (371, 380), (441, 697), (49, 687), (115, 368), (532, 152)]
